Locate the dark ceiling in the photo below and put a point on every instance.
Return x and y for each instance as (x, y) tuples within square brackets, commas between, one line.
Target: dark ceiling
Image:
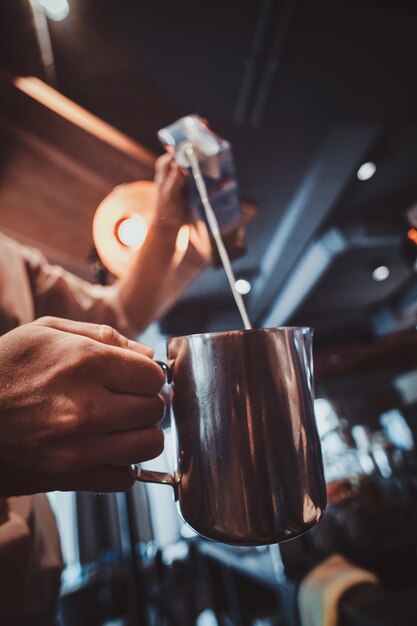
[(306, 91)]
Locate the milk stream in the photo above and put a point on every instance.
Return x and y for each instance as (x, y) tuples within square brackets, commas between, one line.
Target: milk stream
[(215, 231)]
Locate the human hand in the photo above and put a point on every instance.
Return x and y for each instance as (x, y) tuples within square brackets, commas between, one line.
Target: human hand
[(78, 406), (171, 209)]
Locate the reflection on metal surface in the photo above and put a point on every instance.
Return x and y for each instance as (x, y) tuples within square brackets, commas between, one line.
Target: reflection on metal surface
[(249, 460)]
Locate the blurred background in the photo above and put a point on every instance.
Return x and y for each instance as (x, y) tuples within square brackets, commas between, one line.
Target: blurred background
[(319, 102)]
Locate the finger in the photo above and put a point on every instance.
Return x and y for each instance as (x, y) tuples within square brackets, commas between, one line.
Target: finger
[(124, 371), (124, 412), (169, 174), (123, 448), (162, 166), (176, 178), (102, 333), (121, 370), (101, 479)]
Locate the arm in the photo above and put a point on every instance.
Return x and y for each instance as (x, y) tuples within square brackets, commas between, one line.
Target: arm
[(146, 287), (144, 293)]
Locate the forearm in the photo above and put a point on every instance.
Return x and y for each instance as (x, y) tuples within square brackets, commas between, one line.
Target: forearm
[(143, 290), (160, 273)]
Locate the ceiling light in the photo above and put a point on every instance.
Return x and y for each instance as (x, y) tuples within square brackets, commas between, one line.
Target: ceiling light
[(366, 170), (412, 235), (242, 286), (132, 231), (56, 10), (380, 273), (121, 224)]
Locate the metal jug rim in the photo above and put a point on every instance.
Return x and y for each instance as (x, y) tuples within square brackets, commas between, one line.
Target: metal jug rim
[(242, 331)]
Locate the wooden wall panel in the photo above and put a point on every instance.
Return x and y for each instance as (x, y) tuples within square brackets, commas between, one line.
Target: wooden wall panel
[(57, 162)]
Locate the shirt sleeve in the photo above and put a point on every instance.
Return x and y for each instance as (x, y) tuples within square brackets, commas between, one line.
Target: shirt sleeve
[(60, 293)]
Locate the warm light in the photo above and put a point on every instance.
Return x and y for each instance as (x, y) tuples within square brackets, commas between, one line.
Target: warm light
[(132, 231), (242, 286), (56, 10), (412, 235), (380, 273), (183, 238), (366, 170), (121, 223)]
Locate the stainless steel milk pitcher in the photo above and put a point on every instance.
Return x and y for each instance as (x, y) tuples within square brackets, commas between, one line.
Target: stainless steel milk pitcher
[(248, 468)]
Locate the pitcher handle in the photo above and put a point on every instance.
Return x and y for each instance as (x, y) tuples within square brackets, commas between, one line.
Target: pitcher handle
[(150, 476), (160, 478)]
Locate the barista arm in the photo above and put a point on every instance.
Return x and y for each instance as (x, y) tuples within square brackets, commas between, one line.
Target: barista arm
[(153, 283)]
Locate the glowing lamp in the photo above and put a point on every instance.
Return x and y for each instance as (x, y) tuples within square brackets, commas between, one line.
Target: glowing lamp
[(121, 224), (366, 170), (56, 10), (132, 231), (380, 273), (412, 235), (242, 286)]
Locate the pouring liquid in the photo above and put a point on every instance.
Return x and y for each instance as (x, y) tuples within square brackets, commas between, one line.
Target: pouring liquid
[(215, 231)]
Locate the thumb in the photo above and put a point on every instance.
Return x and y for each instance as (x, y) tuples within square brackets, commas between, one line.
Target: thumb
[(99, 332)]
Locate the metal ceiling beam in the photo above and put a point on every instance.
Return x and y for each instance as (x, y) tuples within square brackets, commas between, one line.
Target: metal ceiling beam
[(332, 171), (253, 60), (263, 62), (315, 261), (309, 269), (273, 62)]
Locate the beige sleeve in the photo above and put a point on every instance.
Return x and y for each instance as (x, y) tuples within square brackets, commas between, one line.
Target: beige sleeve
[(62, 294), (30, 562)]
